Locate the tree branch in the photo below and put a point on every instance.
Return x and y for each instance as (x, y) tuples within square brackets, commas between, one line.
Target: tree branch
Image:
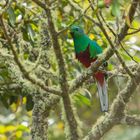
[(79, 17), (134, 32), (118, 106), (106, 55), (131, 13), (102, 126), (22, 68), (115, 35), (133, 120), (111, 43), (40, 119), (92, 69), (41, 4), (116, 114), (72, 123)]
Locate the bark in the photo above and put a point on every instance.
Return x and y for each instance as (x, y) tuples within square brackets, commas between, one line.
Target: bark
[(40, 119)]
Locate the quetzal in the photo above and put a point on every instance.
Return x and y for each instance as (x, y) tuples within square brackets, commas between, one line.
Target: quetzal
[(86, 51)]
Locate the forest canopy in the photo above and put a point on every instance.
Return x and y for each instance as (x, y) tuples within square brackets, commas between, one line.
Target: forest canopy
[(45, 93)]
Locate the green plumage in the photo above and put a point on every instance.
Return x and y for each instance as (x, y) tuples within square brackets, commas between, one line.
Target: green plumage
[(86, 52), (82, 41)]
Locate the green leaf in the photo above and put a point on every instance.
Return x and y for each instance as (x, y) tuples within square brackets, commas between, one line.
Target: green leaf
[(28, 33), (20, 8), (26, 55), (31, 32), (81, 99), (34, 26), (136, 58), (22, 128), (12, 16), (101, 4), (115, 8), (24, 33), (125, 56), (110, 66), (104, 3)]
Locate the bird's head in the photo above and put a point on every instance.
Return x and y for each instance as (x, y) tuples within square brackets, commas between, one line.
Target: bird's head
[(76, 31)]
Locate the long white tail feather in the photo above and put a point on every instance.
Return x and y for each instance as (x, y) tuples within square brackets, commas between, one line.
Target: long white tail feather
[(103, 95)]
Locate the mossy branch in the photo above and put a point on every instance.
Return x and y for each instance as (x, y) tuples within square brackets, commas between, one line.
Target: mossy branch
[(40, 119), (117, 41), (25, 73), (118, 106), (109, 52), (72, 123), (116, 115), (133, 120)]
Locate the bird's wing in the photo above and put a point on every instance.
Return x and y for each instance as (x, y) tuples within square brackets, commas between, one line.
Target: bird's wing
[(94, 49)]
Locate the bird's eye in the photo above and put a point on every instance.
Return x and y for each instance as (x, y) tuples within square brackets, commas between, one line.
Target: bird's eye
[(76, 29)]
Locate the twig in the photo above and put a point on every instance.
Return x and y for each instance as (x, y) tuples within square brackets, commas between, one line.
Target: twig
[(123, 63), (118, 106), (116, 116), (134, 32), (79, 9), (131, 13), (74, 5), (109, 52), (91, 19), (115, 36), (41, 4), (66, 28), (111, 44), (78, 18), (133, 120), (107, 25), (128, 53)]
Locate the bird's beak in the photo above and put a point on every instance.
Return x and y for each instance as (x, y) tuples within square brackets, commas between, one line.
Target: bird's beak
[(72, 33)]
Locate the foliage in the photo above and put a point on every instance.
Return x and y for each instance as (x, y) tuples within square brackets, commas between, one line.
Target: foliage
[(28, 29)]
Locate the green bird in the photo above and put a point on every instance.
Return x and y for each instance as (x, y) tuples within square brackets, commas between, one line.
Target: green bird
[(86, 51)]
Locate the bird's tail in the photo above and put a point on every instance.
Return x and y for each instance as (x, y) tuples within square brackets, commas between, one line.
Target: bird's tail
[(102, 90)]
